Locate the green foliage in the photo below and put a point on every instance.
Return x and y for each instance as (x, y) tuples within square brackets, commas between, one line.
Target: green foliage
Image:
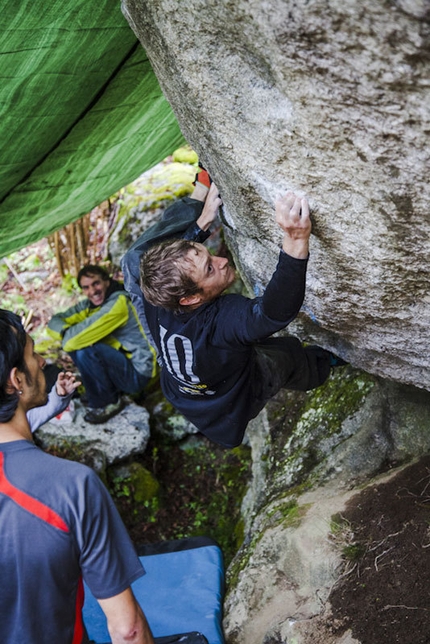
[(342, 534), (353, 551), (201, 491), (46, 347), (152, 506), (136, 492), (70, 284), (120, 486), (13, 302), (219, 515), (139, 485), (31, 262), (4, 272), (71, 449), (338, 524), (185, 155), (30, 259)]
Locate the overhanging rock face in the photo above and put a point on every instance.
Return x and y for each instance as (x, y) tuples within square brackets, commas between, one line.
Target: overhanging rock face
[(333, 101)]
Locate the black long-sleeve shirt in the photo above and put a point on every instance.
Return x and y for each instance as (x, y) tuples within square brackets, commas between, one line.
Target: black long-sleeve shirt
[(207, 354)]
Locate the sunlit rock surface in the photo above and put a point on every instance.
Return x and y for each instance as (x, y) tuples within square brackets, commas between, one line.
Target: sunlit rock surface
[(332, 101)]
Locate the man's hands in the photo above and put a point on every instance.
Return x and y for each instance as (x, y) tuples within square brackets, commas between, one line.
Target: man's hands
[(66, 383), (210, 209), (292, 215)]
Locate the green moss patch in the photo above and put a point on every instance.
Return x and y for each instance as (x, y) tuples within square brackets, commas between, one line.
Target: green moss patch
[(200, 493), (318, 427)]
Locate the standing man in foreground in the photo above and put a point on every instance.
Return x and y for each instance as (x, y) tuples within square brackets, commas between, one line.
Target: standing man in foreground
[(57, 524), (106, 342), (219, 365)]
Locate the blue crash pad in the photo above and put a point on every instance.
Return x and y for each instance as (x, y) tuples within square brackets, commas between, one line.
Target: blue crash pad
[(181, 592)]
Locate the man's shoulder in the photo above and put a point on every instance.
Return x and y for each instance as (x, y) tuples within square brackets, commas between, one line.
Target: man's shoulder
[(72, 480), (81, 305), (116, 296), (228, 301), (56, 463), (221, 308), (34, 466)]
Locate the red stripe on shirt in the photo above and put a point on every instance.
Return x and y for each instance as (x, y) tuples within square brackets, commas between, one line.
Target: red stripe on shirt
[(28, 502), (78, 634)]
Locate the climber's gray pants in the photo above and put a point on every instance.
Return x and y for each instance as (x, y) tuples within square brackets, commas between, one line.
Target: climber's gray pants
[(283, 363)]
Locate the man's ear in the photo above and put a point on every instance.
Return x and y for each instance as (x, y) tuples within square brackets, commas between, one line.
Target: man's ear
[(16, 379), (191, 300)]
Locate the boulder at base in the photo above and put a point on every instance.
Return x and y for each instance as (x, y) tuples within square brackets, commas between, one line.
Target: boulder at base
[(124, 435)]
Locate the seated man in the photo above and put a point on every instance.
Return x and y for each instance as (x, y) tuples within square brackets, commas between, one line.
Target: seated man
[(219, 365), (58, 524), (105, 340)]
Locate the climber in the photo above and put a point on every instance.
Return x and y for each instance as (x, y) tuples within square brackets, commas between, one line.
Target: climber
[(219, 365), (106, 342)]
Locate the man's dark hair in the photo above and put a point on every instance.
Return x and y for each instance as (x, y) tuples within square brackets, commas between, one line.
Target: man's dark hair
[(164, 278), (12, 345), (91, 270)]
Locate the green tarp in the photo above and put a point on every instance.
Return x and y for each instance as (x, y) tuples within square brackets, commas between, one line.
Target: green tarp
[(82, 113)]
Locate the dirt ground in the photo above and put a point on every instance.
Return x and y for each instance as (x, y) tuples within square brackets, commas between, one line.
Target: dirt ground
[(201, 490), (383, 596)]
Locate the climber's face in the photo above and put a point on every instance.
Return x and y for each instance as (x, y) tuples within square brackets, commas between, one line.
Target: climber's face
[(212, 275)]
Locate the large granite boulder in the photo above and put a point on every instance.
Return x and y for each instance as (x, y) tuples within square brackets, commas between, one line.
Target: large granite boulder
[(333, 101)]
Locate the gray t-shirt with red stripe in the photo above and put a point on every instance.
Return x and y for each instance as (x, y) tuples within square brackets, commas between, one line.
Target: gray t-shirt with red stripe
[(58, 525)]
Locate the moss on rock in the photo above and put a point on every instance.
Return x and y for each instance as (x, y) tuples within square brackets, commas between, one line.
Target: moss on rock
[(320, 425), (185, 154), (141, 203), (135, 482), (145, 485)]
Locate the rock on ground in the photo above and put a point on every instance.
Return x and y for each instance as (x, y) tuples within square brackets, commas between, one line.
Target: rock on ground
[(289, 575), (124, 435)]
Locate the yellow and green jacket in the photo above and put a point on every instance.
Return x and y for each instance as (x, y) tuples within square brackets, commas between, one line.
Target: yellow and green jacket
[(115, 322)]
